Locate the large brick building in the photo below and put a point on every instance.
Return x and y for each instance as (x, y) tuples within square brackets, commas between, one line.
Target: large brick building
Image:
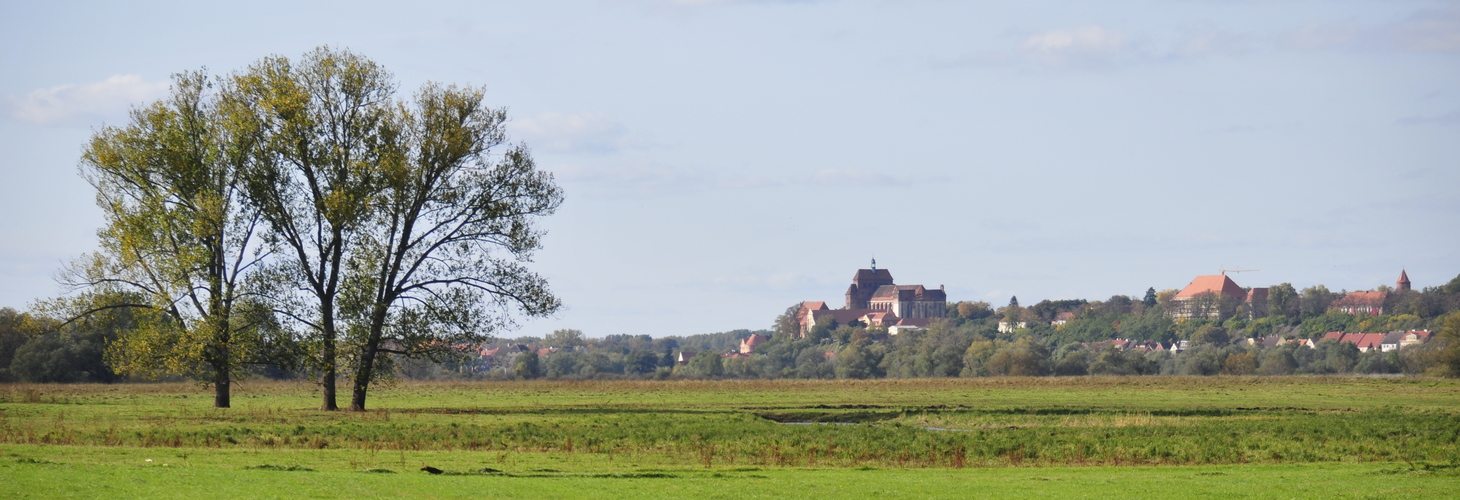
[(876, 300), (1217, 297)]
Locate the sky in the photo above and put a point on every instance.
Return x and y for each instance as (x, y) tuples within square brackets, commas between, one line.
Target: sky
[(724, 160)]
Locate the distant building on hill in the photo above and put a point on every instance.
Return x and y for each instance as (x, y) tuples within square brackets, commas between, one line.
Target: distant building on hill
[(876, 300), (747, 345), (1361, 303), (865, 284), (1217, 297)]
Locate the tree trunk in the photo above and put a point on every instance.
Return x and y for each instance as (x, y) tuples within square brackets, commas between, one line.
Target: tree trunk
[(221, 386), (327, 380), (366, 368), (362, 380)]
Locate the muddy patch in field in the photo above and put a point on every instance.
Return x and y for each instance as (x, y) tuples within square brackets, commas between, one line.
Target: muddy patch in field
[(827, 417)]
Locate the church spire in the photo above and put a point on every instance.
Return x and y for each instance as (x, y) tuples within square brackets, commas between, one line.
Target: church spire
[(1403, 283), (874, 264)]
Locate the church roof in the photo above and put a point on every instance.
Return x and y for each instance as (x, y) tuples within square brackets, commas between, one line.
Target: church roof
[(872, 275), (1403, 277), (907, 293), (1215, 283)]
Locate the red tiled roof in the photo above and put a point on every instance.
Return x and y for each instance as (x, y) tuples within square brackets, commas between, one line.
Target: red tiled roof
[(747, 345), (1352, 337), (1371, 340), (880, 318), (1333, 335), (1403, 276), (918, 322), (1216, 283), (1361, 299)]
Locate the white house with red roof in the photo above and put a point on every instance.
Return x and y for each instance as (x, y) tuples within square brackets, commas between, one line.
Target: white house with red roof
[(1361, 303)]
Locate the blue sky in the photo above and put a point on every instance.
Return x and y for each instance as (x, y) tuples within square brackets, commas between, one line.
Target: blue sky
[(723, 160)]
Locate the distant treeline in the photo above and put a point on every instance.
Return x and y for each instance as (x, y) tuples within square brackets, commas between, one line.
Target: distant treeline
[(969, 343)]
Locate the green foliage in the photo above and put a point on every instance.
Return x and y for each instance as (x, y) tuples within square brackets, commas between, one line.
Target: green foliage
[(1449, 344), (1282, 300), (1333, 321), (1123, 362), (1211, 335), (565, 338), (704, 364), (858, 360), (179, 237), (12, 337), (526, 366), (973, 310), (788, 324), (1315, 301), (75, 355)]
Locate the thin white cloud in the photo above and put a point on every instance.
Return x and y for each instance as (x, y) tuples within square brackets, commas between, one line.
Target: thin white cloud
[(1082, 45), (648, 178), (1425, 31), (851, 177), (1448, 119), (633, 178), (1321, 36), (594, 133), (775, 281), (862, 177), (693, 3), (1209, 42), (1098, 47), (86, 103)]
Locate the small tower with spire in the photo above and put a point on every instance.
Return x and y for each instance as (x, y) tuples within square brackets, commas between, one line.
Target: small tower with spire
[(1403, 284)]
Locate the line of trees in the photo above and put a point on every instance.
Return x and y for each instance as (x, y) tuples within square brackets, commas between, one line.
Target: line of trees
[(298, 216)]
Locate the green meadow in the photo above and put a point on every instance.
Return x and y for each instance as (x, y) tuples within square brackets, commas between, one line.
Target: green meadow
[(1157, 437)]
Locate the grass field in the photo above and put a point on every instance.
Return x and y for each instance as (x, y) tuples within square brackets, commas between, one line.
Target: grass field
[(1095, 437)]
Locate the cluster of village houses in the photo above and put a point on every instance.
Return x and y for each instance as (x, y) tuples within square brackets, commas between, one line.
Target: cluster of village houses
[(1384, 342), (873, 299)]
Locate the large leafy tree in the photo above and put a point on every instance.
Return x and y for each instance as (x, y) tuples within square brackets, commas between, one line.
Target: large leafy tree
[(315, 181), (442, 257), (179, 236)]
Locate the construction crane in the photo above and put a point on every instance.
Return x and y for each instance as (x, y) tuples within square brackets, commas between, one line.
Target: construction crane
[(1224, 270)]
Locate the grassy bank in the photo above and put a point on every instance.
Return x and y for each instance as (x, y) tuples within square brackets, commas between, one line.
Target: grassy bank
[(992, 433), (57, 480)]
